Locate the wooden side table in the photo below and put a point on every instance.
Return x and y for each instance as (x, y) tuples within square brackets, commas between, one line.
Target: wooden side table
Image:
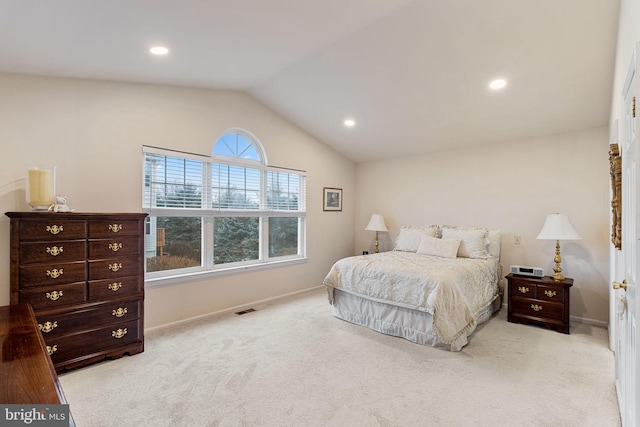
[(540, 301)]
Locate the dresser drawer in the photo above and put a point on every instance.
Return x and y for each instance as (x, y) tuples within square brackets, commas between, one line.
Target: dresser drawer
[(54, 251), (115, 267), (537, 308), (52, 274), (108, 248), (68, 347), (50, 297), (52, 229), (114, 288), (110, 228), (96, 317)]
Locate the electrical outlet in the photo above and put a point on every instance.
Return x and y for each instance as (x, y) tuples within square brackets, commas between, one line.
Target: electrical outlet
[(516, 240)]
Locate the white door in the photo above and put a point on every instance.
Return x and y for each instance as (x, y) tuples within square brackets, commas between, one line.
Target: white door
[(627, 360)]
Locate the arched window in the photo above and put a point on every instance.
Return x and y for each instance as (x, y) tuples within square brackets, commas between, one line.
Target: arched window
[(239, 144), (230, 209)]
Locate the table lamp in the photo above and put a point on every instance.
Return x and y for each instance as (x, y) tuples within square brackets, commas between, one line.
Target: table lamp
[(376, 223), (558, 227)]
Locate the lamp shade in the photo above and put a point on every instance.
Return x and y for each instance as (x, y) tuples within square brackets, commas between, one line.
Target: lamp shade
[(558, 227), (376, 223)]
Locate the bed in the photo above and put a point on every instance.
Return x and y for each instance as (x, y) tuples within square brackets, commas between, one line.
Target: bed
[(436, 286)]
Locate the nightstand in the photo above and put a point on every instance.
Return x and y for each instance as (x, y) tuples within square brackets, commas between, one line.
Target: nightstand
[(540, 301)]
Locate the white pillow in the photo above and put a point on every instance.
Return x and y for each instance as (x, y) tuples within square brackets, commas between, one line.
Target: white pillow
[(446, 248), (473, 240), (494, 243), (409, 238)]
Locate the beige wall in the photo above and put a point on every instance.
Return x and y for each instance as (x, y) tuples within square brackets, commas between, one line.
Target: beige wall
[(93, 132), (511, 187)]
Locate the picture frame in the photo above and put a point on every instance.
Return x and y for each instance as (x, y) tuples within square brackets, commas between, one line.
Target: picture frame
[(332, 199)]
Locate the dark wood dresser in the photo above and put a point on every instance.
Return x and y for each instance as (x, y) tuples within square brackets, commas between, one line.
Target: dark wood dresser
[(540, 300), (83, 274)]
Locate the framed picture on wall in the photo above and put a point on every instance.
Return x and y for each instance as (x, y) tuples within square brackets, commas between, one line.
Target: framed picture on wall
[(332, 199)]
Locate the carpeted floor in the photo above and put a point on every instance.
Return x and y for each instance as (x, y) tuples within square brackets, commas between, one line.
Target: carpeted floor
[(291, 363)]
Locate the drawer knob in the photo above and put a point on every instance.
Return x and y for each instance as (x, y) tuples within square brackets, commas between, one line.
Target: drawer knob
[(55, 273), (115, 247), (115, 266), (115, 227), (536, 307), (550, 293), (52, 349), (54, 229), (119, 333), (119, 312), (55, 295), (47, 326), (54, 251), (523, 289), (114, 286)]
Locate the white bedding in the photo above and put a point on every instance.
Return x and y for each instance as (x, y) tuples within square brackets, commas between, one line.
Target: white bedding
[(453, 290)]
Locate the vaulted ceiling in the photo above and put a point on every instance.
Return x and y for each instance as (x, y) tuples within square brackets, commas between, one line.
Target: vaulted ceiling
[(413, 75)]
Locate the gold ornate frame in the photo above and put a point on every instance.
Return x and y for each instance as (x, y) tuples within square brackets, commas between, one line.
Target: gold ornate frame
[(615, 170)]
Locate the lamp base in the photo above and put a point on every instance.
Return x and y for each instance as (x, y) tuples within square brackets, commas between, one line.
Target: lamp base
[(557, 270)]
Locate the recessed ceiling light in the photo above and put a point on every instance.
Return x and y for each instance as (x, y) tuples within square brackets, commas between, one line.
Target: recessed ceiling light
[(349, 123), (159, 50), (498, 84)]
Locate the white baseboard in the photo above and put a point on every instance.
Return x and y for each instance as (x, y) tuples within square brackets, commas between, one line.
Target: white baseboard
[(230, 309)]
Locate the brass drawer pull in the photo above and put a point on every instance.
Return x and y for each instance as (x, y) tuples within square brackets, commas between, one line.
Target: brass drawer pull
[(54, 229), (55, 295), (52, 349), (54, 251), (119, 312), (115, 247), (115, 266), (550, 293), (114, 286), (55, 273), (536, 307), (47, 326), (115, 227), (523, 289), (119, 333)]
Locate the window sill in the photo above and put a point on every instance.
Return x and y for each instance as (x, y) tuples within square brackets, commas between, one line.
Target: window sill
[(180, 278)]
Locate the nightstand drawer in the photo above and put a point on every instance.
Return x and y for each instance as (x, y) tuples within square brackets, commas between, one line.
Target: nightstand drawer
[(522, 289), (537, 308), (550, 293)]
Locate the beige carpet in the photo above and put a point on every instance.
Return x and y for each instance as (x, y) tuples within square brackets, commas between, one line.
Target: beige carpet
[(291, 363)]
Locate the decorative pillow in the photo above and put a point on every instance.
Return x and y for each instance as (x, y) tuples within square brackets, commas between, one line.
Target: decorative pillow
[(409, 238), (494, 244), (473, 241), (446, 248)]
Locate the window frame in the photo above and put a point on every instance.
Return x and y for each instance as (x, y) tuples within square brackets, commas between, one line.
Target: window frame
[(207, 213)]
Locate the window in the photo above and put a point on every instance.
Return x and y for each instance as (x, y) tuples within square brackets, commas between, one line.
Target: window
[(220, 212)]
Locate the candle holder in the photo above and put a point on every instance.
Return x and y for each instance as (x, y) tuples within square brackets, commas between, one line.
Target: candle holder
[(41, 187)]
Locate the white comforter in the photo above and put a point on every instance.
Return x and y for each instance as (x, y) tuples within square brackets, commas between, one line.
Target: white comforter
[(453, 290)]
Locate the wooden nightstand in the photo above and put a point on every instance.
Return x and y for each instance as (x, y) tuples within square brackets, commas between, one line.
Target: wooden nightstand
[(540, 301)]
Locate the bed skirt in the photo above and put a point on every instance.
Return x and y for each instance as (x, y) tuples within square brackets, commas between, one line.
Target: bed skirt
[(413, 325)]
